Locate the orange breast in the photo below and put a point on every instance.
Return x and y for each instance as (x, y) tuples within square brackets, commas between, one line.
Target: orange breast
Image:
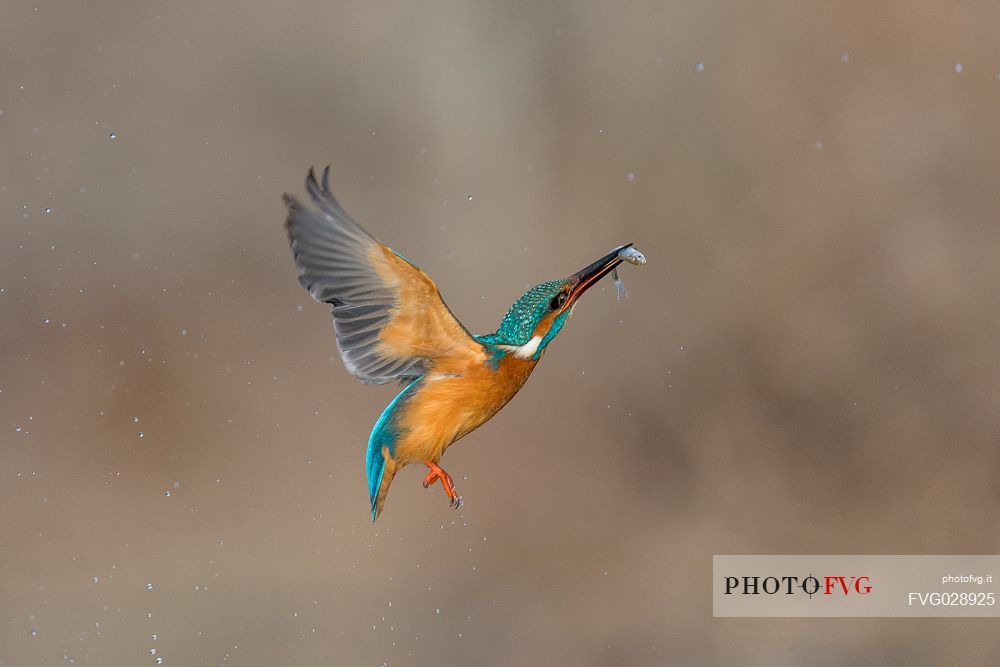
[(448, 407)]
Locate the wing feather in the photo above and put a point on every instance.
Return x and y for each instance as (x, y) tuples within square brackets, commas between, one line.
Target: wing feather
[(390, 320)]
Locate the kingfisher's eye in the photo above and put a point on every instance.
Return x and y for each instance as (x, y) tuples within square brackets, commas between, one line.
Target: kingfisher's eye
[(558, 300)]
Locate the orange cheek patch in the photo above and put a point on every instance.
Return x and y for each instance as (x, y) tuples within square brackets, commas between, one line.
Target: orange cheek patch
[(543, 326)]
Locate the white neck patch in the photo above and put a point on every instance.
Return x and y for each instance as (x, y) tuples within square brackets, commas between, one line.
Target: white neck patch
[(526, 351)]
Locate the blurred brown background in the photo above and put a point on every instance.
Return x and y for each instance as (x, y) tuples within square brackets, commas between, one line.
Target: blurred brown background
[(806, 365)]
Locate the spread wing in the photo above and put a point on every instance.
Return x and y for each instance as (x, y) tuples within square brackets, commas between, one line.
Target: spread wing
[(390, 320)]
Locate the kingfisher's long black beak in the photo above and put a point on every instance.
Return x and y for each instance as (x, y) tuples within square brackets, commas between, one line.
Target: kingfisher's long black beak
[(583, 279)]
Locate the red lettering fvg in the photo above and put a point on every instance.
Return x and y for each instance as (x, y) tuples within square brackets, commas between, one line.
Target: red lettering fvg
[(859, 585)]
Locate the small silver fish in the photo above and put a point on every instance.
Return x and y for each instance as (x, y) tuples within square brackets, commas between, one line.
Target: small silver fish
[(632, 256)]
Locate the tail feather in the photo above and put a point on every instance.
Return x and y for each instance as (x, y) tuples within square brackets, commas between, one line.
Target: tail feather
[(375, 470), (380, 462), (379, 492)]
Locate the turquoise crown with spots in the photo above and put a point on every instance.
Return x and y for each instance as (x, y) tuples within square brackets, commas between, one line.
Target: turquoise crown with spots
[(520, 321)]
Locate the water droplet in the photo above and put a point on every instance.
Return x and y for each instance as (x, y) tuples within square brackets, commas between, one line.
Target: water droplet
[(437, 611), (34, 632), (469, 197), (154, 637), (699, 66), (48, 209), (152, 651), (159, 660), (135, 420), (17, 428), (168, 493), (149, 587), (141, 434), (844, 58), (958, 68), (96, 579), (113, 135)]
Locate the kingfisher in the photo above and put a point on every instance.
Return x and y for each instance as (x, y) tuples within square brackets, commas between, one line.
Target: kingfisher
[(392, 325)]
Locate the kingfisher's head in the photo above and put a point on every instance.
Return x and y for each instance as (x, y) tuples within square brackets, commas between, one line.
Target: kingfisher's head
[(535, 319)]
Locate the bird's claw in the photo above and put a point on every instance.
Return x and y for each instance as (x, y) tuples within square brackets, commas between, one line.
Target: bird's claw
[(436, 473)]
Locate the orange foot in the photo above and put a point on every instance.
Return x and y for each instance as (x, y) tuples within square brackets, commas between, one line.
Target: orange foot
[(438, 473)]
